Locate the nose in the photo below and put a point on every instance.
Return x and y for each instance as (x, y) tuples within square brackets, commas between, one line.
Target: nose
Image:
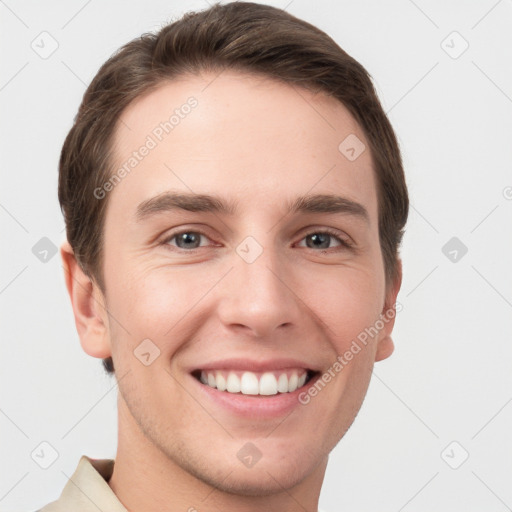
[(258, 297)]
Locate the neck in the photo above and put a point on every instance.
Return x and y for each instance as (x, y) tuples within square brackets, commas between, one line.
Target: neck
[(145, 478)]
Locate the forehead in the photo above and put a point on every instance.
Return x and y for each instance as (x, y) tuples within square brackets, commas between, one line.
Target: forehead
[(241, 136)]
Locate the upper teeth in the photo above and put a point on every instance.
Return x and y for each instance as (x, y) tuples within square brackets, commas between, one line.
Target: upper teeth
[(250, 383)]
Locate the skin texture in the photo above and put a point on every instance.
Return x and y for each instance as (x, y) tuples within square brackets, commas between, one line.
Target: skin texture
[(259, 143)]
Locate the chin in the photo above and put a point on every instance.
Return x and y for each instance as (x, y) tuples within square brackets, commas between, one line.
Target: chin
[(262, 481), (283, 469)]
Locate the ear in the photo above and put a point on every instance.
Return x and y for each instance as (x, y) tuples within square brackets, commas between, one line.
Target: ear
[(88, 305), (385, 344)]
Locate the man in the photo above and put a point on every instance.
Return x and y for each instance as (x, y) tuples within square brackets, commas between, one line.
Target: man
[(243, 359)]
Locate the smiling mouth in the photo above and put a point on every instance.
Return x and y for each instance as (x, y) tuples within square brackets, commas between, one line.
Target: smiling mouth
[(255, 383)]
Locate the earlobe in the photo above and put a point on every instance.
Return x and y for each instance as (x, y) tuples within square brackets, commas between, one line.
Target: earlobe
[(87, 302), (385, 346), (384, 349)]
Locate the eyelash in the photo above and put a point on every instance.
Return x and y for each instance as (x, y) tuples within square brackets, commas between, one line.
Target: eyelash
[(344, 244)]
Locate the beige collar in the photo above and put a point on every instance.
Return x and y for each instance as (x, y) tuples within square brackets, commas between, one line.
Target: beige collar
[(87, 490)]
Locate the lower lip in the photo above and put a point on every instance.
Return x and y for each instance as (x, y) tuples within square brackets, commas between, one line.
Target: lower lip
[(255, 406)]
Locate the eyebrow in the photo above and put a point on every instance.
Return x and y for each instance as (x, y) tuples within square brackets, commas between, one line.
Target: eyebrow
[(316, 203)]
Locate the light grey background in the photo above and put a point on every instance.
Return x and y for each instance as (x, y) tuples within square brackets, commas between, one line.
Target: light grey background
[(449, 378)]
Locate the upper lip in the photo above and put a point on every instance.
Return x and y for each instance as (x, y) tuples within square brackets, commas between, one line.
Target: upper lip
[(244, 364)]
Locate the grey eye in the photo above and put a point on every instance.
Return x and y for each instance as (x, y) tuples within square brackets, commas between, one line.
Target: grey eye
[(319, 240), (187, 240)]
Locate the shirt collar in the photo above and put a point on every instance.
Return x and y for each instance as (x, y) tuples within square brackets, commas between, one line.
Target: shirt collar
[(88, 491)]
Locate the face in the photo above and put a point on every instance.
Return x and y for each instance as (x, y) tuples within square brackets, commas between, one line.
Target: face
[(242, 295)]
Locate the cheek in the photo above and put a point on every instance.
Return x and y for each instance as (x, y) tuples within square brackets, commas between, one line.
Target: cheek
[(155, 305), (347, 303)]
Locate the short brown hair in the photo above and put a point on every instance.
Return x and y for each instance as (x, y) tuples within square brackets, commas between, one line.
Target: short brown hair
[(242, 36)]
